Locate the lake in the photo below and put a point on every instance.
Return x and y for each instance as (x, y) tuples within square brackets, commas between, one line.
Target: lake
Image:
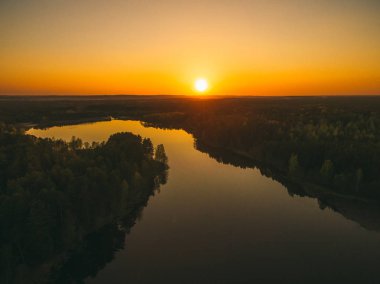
[(217, 223)]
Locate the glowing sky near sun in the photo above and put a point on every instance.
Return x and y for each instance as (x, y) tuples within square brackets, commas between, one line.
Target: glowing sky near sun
[(242, 47)]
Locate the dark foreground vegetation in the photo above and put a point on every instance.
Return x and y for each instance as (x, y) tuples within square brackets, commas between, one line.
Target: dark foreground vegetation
[(61, 201)]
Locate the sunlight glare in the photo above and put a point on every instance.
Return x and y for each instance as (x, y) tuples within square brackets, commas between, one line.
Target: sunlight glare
[(201, 85)]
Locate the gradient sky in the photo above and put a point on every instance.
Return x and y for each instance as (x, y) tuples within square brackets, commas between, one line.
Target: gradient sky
[(243, 47)]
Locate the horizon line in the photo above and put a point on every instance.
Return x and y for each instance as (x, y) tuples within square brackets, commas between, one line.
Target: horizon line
[(176, 95)]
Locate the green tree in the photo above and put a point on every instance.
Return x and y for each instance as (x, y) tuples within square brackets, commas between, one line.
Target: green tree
[(327, 170), (293, 164), (148, 147), (160, 154), (359, 177)]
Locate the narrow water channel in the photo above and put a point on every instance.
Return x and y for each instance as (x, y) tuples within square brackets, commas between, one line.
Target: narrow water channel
[(216, 223)]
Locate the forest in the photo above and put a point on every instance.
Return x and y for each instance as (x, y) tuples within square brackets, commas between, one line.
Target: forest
[(54, 195), (333, 142), (60, 200), (335, 146)]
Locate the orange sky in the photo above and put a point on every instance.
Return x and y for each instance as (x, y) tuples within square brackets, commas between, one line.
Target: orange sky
[(271, 47)]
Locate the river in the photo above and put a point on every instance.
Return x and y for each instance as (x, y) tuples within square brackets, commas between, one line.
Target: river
[(217, 223)]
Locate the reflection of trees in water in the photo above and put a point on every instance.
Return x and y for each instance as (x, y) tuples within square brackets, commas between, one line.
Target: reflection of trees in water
[(363, 211), (96, 250)]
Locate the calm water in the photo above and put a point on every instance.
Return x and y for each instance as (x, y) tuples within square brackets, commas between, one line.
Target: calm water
[(216, 223)]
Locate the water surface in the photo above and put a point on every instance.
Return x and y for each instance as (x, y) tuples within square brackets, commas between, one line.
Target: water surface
[(216, 223)]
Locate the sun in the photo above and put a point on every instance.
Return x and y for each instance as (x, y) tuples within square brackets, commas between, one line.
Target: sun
[(201, 85)]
